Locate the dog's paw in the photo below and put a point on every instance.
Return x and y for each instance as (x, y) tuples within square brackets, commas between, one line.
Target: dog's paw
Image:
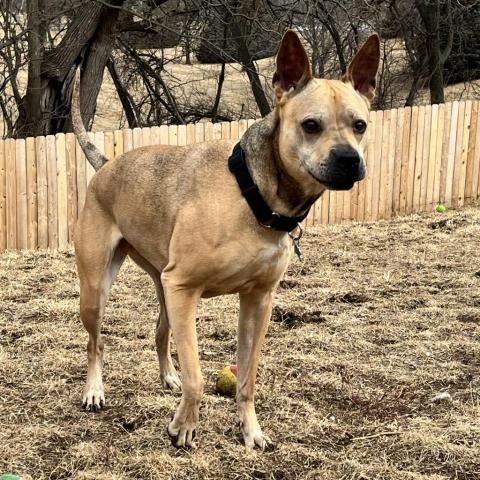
[(255, 438), (94, 398), (171, 380), (182, 437)]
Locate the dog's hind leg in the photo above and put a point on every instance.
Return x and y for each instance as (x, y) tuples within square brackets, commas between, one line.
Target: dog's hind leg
[(99, 254), (168, 375), (255, 311)]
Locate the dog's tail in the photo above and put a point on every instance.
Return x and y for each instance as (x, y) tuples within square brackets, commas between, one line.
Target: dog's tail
[(94, 156)]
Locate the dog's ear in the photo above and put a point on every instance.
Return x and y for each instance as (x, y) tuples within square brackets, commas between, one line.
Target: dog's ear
[(293, 67), (363, 68)]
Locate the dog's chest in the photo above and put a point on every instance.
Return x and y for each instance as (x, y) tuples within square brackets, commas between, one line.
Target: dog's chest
[(249, 268)]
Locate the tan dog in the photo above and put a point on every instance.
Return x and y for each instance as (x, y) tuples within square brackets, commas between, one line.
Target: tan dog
[(179, 213)]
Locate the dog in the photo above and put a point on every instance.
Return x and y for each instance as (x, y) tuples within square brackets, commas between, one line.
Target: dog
[(203, 222)]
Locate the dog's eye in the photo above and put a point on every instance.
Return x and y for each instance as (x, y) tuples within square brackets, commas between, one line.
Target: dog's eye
[(360, 126), (311, 126)]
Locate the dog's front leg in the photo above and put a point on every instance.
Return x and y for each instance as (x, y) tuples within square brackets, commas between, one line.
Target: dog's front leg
[(255, 311), (181, 306)]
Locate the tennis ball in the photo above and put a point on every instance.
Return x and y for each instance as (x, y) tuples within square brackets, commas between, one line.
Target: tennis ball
[(227, 381), (440, 208), (9, 476)]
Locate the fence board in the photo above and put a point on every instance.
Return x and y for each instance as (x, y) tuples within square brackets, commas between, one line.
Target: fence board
[(109, 145), (464, 154), (146, 136), (476, 160), (332, 217), (370, 166), (72, 207), (354, 202), (404, 160), (389, 187), (234, 131), (397, 173), (32, 211), (425, 159), (438, 154), (418, 158), (208, 131), (190, 133), (417, 126), (317, 212), (324, 208), (384, 177), (62, 202), (226, 134), (451, 155), (3, 199), (11, 189), (339, 205), (445, 152), (199, 133), (137, 138), (457, 167), (52, 192), (182, 135), (173, 135), (118, 143), (471, 153), (128, 139), (22, 205), (242, 127), (217, 131), (42, 192), (431, 158), (377, 164)]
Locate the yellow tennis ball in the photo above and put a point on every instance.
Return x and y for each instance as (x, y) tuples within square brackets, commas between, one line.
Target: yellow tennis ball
[(227, 381)]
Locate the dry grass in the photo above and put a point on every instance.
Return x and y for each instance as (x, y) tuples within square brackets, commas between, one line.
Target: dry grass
[(378, 320)]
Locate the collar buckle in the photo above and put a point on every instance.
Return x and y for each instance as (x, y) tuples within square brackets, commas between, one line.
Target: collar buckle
[(269, 222)]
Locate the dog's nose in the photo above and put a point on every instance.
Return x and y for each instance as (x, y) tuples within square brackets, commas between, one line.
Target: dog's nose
[(346, 157)]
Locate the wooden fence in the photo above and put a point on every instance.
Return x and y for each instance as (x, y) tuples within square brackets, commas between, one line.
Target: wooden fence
[(416, 157)]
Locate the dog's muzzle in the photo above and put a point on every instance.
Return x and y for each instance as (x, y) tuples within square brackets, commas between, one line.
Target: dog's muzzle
[(344, 168)]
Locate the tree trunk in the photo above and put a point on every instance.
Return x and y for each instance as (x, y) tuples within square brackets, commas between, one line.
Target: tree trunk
[(125, 97), (430, 14), (88, 40), (218, 95), (246, 60), (95, 60), (36, 35)]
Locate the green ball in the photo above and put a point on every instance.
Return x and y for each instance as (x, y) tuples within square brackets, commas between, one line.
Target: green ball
[(440, 208), (9, 476), (226, 382)]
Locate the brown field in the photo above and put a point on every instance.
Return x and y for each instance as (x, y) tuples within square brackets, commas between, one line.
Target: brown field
[(378, 320)]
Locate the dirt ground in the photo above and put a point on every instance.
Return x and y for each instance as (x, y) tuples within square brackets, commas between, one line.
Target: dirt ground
[(378, 320)]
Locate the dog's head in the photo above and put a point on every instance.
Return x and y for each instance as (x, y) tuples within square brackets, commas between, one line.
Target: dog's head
[(322, 123)]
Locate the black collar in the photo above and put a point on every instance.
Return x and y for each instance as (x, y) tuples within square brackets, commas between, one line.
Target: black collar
[(259, 207)]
